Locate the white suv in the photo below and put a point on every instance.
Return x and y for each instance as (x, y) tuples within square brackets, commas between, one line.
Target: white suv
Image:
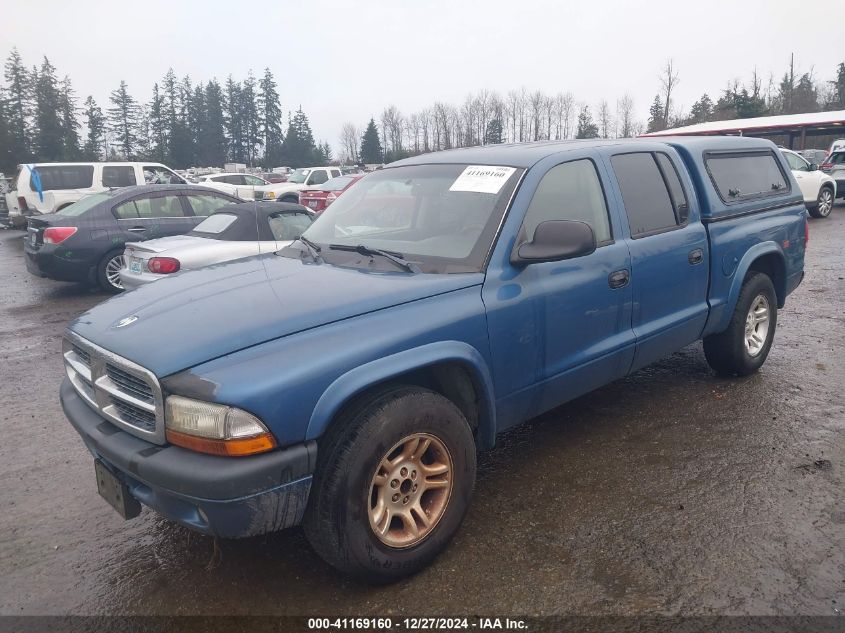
[(818, 188), (303, 178), (39, 188)]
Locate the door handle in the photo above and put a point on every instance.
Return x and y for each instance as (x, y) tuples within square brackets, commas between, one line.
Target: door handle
[(618, 278), (137, 229), (696, 256)]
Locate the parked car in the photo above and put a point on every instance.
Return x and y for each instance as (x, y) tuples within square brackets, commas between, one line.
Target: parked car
[(42, 188), (318, 198), (837, 146), (84, 242), (249, 187), (303, 179), (834, 166), (231, 232), (818, 188), (273, 178), (816, 156), (346, 382)]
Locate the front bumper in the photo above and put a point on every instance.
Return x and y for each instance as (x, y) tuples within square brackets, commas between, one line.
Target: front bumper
[(230, 497)]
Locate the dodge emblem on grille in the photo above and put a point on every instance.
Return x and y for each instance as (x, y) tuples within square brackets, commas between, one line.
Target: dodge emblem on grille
[(126, 321)]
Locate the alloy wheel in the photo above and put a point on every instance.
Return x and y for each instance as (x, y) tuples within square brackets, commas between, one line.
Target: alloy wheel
[(113, 271), (757, 325)]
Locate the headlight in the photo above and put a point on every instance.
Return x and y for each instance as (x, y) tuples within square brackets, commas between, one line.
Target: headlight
[(214, 428), (269, 195)]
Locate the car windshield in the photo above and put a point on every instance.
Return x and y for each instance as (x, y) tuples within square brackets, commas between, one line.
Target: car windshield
[(299, 176), (78, 208), (444, 217)]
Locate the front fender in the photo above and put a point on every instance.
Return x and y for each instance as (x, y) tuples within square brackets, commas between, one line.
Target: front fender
[(380, 370)]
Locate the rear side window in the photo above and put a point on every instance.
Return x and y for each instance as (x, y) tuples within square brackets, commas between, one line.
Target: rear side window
[(318, 178), (739, 177), (645, 194), (123, 176), (676, 189), (216, 223), (58, 177), (158, 207), (207, 204)]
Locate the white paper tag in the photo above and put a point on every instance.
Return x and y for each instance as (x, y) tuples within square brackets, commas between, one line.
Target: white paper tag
[(482, 179)]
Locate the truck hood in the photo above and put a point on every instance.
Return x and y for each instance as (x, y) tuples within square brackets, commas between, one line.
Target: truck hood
[(199, 315)]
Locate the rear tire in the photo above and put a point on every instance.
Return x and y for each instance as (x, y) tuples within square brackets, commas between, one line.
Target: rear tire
[(743, 347), (291, 199), (108, 271), (824, 203), (394, 479)]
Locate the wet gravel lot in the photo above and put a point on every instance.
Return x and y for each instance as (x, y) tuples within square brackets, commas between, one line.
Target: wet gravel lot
[(672, 491)]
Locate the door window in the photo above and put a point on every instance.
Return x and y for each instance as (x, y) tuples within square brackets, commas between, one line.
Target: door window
[(335, 173), (253, 181), (676, 189), (570, 191), (796, 162), (158, 175), (206, 204), (118, 176), (644, 193), (157, 207), (318, 177)]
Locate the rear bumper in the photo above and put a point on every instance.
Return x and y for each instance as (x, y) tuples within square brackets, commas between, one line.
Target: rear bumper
[(230, 497), (133, 280), (46, 262)]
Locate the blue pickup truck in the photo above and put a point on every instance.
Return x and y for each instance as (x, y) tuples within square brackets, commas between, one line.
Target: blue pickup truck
[(347, 381)]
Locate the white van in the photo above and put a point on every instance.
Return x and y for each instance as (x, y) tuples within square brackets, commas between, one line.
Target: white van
[(39, 188)]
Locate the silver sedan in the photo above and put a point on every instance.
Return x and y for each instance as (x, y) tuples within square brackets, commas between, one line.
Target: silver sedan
[(232, 232)]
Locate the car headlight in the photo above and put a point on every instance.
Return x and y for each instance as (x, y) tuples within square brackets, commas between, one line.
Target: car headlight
[(207, 427), (269, 195)]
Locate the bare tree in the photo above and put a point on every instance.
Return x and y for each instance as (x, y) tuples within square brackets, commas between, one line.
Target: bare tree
[(625, 116), (605, 121), (536, 100), (669, 80), (350, 141)]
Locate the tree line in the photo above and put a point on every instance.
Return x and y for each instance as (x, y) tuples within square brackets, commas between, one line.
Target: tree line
[(206, 124)]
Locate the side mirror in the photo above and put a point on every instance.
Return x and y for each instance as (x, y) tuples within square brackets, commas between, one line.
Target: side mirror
[(814, 166), (555, 240)]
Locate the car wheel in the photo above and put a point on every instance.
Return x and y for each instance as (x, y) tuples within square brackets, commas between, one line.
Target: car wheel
[(108, 272), (824, 203), (291, 199), (393, 483), (743, 347)]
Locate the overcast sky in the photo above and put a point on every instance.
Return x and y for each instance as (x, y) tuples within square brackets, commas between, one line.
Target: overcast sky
[(345, 61)]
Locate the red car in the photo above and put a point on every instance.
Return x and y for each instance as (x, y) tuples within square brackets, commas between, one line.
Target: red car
[(318, 199)]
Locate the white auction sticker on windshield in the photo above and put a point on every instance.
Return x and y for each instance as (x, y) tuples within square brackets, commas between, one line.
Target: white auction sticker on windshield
[(482, 179)]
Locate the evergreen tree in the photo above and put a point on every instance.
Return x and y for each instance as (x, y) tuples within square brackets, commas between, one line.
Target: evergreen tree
[(493, 133), (96, 124), (49, 136), (837, 94), (212, 146), (271, 114), (123, 117), (7, 160), (586, 127), (298, 148), (324, 154), (234, 120), (181, 143), (144, 150), (70, 122), (157, 127), (656, 121), (252, 118), (371, 152), (18, 97), (701, 111)]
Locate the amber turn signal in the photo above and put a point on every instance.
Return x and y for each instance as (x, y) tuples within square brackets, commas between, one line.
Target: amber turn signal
[(236, 447)]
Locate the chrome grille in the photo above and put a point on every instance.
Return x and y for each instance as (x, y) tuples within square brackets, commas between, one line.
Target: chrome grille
[(123, 392)]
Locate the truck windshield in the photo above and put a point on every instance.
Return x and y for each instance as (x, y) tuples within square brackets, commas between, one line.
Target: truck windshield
[(444, 217), (299, 176)]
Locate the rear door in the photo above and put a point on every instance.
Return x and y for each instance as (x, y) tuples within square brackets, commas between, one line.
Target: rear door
[(669, 252), (154, 214)]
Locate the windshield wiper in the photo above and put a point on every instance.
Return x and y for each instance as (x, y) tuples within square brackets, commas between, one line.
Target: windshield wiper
[(396, 258), (312, 248)]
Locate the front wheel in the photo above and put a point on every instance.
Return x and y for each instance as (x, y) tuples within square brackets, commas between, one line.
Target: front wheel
[(824, 203), (108, 272), (743, 347), (393, 482)]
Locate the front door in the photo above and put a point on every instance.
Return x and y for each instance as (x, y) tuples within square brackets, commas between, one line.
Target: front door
[(154, 214), (669, 254), (560, 329)]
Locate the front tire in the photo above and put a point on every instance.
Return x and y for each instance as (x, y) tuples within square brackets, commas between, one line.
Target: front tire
[(824, 203), (394, 480), (108, 272), (744, 346)]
